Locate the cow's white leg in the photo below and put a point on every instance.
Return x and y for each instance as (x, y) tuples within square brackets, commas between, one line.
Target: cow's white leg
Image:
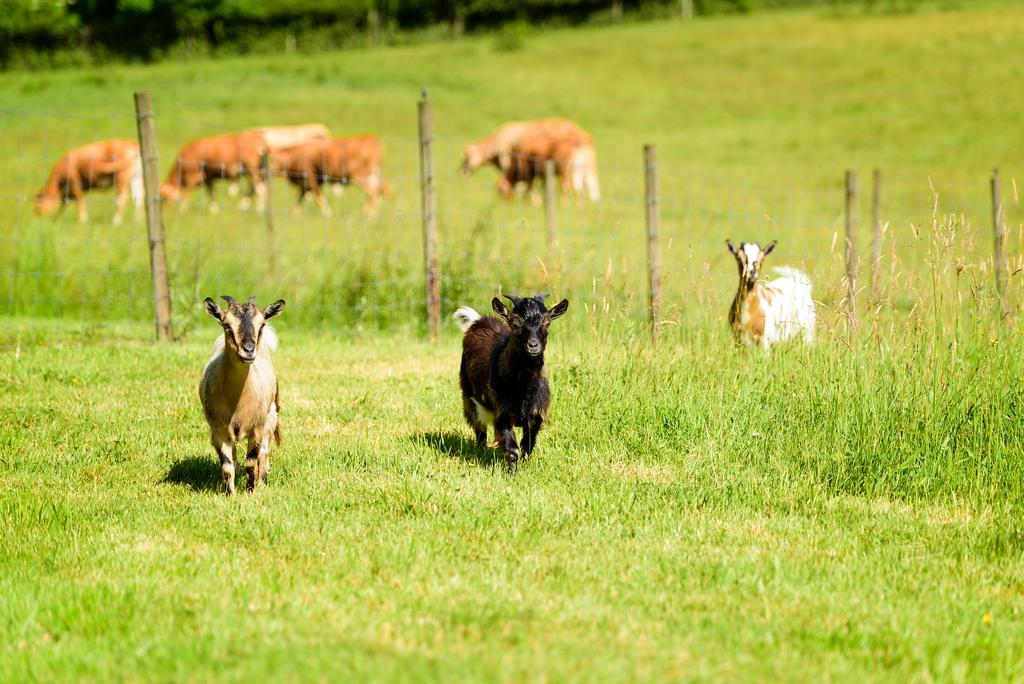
[(122, 202), (261, 195), (325, 208)]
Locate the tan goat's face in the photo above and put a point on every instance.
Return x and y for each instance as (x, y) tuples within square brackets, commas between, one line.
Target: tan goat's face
[(243, 324), (749, 258)]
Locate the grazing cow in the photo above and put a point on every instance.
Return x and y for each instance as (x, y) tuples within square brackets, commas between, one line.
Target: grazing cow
[(562, 142), (495, 149), (358, 160), (519, 150), (288, 136), (279, 137), (101, 164), (206, 160)]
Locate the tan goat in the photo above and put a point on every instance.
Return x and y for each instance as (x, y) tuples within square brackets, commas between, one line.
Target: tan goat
[(239, 388)]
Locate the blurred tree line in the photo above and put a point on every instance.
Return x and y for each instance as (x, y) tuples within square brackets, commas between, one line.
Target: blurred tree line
[(59, 32)]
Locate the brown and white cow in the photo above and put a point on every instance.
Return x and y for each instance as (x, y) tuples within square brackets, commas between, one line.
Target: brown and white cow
[(357, 160), (278, 137), (107, 163), (206, 160), (520, 149)]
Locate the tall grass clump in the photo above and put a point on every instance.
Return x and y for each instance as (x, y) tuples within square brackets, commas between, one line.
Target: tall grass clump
[(912, 404)]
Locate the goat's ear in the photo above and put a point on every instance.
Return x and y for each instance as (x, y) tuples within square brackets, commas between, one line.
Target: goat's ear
[(273, 309), (499, 308), (768, 250), (559, 309), (732, 250), (213, 309)]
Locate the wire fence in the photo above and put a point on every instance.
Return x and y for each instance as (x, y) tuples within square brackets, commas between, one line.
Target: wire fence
[(358, 272)]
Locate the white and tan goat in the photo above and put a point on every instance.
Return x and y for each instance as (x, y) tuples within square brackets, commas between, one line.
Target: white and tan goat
[(239, 389), (764, 312)]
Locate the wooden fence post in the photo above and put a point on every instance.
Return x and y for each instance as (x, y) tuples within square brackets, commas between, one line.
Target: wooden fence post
[(876, 235), (154, 217), (268, 208), (550, 200), (428, 204), (852, 203), (999, 242), (653, 253)]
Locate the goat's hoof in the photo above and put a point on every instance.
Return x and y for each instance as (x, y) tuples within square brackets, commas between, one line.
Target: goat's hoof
[(512, 461)]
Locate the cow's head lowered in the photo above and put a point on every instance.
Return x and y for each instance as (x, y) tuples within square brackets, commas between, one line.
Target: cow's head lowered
[(46, 204), (170, 192), (473, 158)]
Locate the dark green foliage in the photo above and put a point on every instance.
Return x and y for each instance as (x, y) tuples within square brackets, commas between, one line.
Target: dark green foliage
[(59, 32)]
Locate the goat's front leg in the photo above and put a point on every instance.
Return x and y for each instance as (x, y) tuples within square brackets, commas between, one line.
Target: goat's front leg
[(530, 434), (252, 464), (504, 430), (225, 449), (263, 461)]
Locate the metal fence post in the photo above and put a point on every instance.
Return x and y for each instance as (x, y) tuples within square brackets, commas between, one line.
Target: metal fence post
[(852, 212), (999, 242), (876, 234), (428, 203), (154, 217), (268, 209), (550, 199), (653, 252)]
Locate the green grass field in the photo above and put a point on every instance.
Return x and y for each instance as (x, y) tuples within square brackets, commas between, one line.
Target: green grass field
[(849, 511)]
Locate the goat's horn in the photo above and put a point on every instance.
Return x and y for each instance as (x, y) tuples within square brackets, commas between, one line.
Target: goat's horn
[(252, 299), (542, 296), (515, 299), (229, 299)]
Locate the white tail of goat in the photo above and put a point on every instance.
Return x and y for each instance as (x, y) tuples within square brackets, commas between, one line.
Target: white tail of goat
[(464, 317)]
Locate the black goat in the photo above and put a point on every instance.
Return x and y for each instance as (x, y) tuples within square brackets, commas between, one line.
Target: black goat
[(502, 375)]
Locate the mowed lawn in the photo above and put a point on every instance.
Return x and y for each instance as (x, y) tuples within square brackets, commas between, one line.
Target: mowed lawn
[(845, 512), (698, 514)]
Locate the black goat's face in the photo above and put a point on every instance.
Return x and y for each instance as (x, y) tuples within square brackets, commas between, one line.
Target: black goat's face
[(243, 324), (529, 320), (749, 258)]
